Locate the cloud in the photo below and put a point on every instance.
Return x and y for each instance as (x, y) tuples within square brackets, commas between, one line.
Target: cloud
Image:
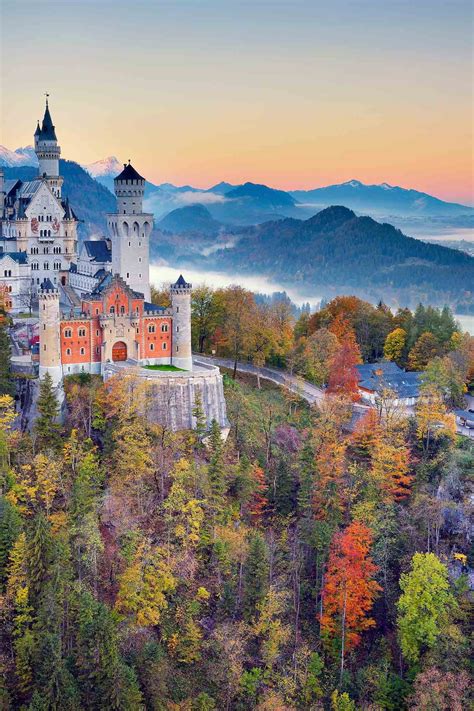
[(191, 197)]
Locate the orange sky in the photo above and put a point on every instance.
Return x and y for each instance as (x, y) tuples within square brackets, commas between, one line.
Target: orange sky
[(292, 94)]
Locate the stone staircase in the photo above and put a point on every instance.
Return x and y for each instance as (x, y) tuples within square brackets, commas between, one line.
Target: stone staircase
[(69, 296)]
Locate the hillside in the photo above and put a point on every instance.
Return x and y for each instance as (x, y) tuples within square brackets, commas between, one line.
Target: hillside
[(90, 200), (338, 252), (190, 218)]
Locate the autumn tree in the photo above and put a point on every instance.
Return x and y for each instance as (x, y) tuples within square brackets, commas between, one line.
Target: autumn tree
[(238, 323), (206, 312), (394, 347), (432, 417), (424, 606), (7, 386), (425, 349), (255, 574), (315, 354), (349, 588), (343, 376)]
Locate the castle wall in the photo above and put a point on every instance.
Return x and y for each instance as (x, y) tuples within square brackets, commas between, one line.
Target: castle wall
[(172, 396)]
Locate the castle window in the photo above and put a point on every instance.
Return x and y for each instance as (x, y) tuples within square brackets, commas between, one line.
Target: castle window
[(57, 265), (82, 351), (164, 328), (151, 328), (97, 312), (177, 349), (128, 275), (68, 351), (152, 346), (82, 332), (122, 309), (164, 346), (177, 309), (177, 329), (112, 309), (97, 334), (46, 266), (46, 250), (67, 333)]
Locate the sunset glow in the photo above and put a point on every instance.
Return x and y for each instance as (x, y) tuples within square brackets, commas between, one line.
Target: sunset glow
[(290, 94)]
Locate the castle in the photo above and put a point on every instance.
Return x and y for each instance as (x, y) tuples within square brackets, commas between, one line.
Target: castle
[(95, 314)]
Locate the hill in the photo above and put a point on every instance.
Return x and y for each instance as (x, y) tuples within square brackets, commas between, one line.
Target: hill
[(190, 218), (381, 199), (337, 252), (90, 200)]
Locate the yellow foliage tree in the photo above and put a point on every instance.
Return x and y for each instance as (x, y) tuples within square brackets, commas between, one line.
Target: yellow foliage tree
[(144, 585)]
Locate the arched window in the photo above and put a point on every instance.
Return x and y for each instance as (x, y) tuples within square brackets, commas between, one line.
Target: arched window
[(46, 266), (122, 309), (164, 346), (152, 346), (82, 332), (151, 328), (68, 351), (112, 309), (164, 328), (82, 351), (67, 333)]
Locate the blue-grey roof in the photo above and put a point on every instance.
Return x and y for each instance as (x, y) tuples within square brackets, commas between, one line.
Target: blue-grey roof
[(181, 282), (98, 251), (73, 268), (375, 376), (464, 414), (153, 307), (47, 132), (47, 285), (19, 257), (129, 173), (100, 273)]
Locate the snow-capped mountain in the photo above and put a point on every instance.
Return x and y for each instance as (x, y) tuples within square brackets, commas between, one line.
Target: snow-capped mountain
[(19, 157), (105, 168)]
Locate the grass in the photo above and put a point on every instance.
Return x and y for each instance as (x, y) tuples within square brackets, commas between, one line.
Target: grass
[(169, 368)]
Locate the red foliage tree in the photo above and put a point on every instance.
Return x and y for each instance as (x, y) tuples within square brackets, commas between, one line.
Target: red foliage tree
[(343, 376), (259, 501), (349, 588)]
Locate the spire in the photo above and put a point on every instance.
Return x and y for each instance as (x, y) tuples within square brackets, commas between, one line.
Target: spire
[(38, 130), (47, 130)]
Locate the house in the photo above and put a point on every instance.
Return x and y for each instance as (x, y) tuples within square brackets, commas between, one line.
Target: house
[(375, 377)]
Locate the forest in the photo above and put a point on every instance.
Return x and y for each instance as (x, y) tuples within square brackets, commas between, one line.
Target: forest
[(304, 563)]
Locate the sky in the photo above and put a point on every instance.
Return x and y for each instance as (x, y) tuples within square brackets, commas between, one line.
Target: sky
[(290, 93)]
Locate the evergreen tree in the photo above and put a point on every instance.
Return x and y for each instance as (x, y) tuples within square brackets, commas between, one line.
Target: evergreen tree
[(256, 574), (7, 385), (10, 524), (46, 426), (39, 555), (216, 469)]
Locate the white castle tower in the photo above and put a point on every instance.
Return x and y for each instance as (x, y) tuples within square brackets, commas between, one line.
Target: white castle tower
[(49, 332), (48, 152), (181, 309), (130, 230)]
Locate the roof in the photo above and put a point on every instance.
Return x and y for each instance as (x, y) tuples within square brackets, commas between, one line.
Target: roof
[(129, 173), (73, 268), (153, 307), (106, 281), (376, 376), (69, 213), (100, 273), (19, 257), (47, 132), (181, 283), (464, 414), (98, 250), (10, 185), (47, 285), (28, 189)]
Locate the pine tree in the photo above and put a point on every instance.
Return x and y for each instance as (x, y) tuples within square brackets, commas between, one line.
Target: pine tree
[(39, 555), (10, 524), (46, 426), (216, 470), (256, 574), (7, 385), (200, 417)]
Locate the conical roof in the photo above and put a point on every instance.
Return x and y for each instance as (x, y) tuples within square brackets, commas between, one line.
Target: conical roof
[(47, 129), (129, 173)]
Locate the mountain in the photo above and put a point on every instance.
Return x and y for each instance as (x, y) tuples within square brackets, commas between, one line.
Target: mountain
[(90, 200), (337, 252), (221, 188), (18, 157), (381, 199), (191, 218)]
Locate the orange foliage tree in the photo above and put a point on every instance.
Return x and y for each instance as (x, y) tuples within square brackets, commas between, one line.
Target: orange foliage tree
[(343, 376), (258, 502), (349, 588)]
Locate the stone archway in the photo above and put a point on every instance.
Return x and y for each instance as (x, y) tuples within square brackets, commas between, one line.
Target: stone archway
[(119, 351)]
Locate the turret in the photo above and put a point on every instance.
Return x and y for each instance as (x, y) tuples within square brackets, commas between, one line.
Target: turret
[(48, 152), (129, 230), (49, 332), (181, 310)]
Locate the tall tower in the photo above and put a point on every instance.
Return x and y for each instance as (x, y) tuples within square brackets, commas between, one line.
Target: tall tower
[(130, 229), (49, 332), (48, 152), (181, 309)]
